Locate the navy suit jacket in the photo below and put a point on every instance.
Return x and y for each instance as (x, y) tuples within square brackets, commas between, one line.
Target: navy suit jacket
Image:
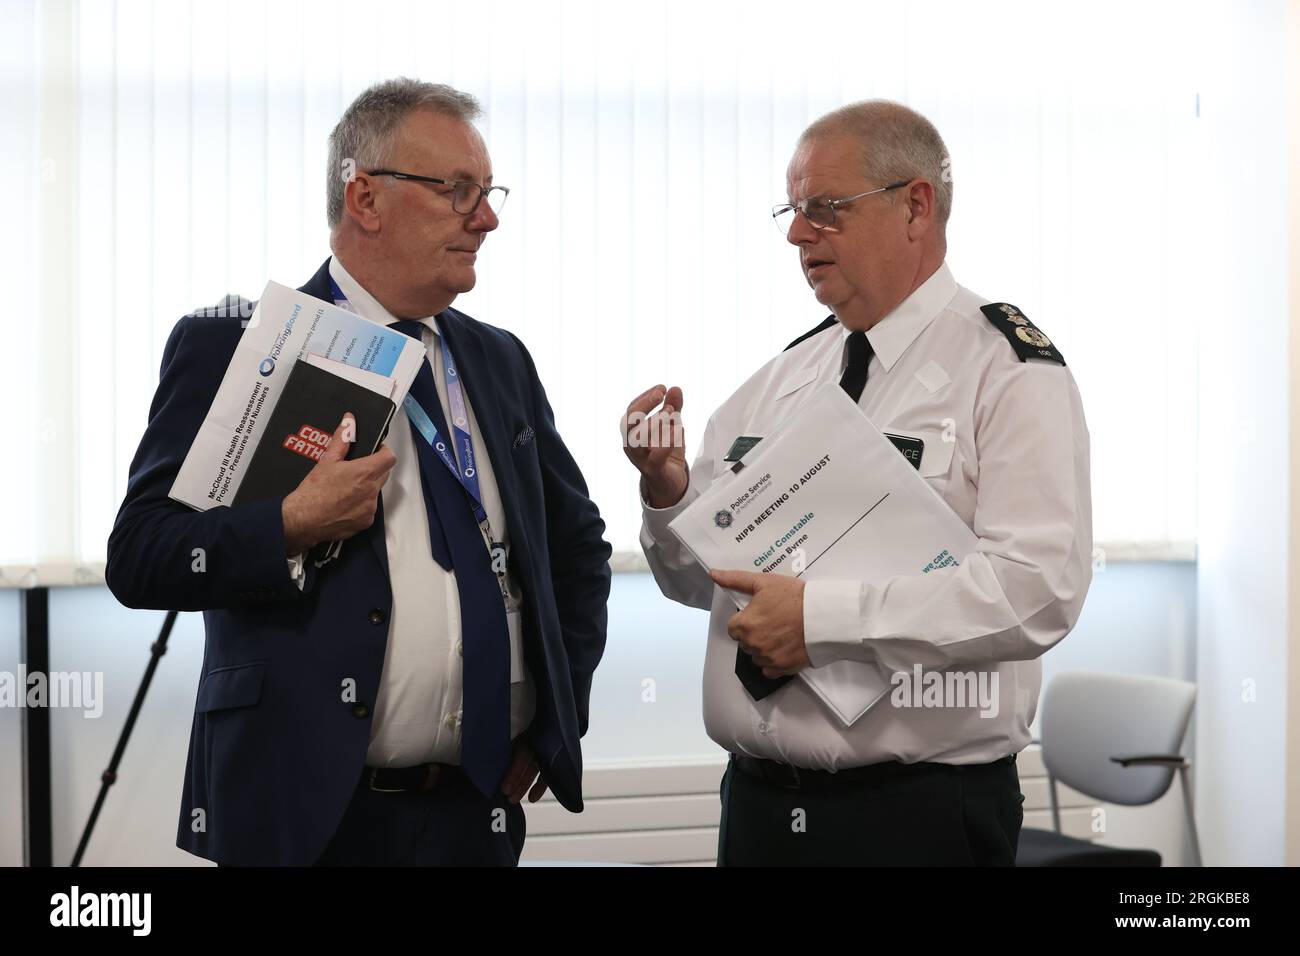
[(275, 749)]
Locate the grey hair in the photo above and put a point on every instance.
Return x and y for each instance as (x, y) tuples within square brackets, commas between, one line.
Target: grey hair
[(898, 143), (366, 134)]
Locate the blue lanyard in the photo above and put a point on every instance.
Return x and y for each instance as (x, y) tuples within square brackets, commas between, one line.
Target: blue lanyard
[(461, 464)]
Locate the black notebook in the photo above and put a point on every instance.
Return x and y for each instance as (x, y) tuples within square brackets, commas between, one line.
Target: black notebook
[(311, 406)]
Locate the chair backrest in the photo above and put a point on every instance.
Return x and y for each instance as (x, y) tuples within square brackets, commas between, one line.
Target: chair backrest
[(1089, 718)]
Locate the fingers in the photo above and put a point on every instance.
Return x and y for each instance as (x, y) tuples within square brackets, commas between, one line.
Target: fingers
[(666, 433), (539, 788), (523, 770), (636, 417), (381, 462), (522, 780), (338, 447), (771, 666), (633, 418), (756, 653), (647, 400), (640, 408), (746, 582), (760, 651), (510, 782)]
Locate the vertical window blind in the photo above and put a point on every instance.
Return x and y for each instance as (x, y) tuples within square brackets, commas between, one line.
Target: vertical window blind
[(162, 154)]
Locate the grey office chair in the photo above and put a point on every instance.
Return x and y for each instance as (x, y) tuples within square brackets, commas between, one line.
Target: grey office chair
[(1116, 739)]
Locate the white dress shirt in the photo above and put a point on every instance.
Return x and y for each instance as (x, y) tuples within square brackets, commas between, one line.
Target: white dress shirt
[(1006, 447), (417, 714)]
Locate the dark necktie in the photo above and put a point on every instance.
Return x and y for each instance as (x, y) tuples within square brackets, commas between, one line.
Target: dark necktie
[(853, 381), (485, 636)]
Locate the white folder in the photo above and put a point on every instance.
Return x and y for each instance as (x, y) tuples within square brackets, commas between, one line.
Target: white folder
[(827, 497)]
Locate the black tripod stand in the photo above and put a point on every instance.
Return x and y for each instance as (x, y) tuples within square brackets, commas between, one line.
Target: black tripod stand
[(109, 776)]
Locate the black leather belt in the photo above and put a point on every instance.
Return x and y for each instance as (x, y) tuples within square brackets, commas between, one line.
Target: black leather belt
[(800, 778), (422, 777)]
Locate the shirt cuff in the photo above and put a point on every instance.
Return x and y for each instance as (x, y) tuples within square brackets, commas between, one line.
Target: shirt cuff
[(832, 622), (297, 569), (657, 519)]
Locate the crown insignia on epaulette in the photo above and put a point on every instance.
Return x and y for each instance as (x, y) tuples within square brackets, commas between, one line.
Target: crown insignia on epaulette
[(1014, 315)]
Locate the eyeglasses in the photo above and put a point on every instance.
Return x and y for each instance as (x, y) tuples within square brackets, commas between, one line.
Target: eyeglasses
[(465, 194), (820, 211)]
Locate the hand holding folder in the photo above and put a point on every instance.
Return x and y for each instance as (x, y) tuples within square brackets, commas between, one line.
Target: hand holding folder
[(826, 496)]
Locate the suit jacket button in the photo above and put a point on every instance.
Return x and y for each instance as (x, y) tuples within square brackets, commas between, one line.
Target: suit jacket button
[(376, 616), (360, 711)]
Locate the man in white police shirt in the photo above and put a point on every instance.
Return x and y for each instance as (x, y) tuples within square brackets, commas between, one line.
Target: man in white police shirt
[(985, 399)]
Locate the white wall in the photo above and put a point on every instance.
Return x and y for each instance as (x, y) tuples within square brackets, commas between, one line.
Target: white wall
[(1244, 451), (11, 796), (1139, 619), (1293, 662)]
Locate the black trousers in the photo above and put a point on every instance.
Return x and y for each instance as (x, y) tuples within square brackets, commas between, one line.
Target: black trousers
[(450, 825), (926, 814)]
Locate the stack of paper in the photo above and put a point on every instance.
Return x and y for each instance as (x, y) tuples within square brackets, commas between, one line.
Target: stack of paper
[(826, 496), (288, 326)]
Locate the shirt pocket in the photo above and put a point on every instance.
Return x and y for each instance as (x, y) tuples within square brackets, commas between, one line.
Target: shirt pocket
[(767, 416), (796, 381)]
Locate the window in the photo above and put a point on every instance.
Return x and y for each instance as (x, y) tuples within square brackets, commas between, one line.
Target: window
[(166, 153)]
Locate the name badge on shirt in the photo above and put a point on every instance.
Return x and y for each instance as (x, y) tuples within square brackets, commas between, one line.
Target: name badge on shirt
[(912, 448), (739, 448)]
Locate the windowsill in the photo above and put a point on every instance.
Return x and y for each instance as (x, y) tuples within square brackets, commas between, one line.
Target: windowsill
[(91, 574), (1111, 552)]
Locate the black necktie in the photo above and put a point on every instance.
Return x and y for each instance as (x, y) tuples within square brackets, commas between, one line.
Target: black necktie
[(853, 381), (485, 634)]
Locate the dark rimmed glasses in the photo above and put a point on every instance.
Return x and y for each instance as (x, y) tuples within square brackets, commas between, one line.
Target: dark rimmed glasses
[(465, 193)]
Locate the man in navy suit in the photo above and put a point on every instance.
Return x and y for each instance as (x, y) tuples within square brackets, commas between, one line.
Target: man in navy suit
[(394, 702)]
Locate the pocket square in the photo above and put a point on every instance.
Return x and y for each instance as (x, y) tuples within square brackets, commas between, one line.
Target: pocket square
[(525, 435)]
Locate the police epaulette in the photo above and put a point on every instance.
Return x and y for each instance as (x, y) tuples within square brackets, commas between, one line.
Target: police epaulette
[(825, 324), (1024, 337)]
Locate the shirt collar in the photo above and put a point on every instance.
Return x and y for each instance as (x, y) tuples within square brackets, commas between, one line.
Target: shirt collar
[(365, 304), (891, 336)]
